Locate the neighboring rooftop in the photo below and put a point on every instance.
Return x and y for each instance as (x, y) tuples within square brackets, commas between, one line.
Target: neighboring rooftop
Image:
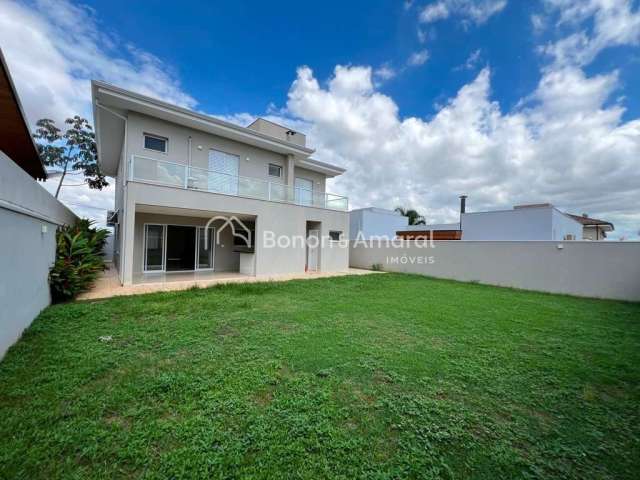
[(433, 226), (587, 221), (278, 131), (15, 137), (533, 205)]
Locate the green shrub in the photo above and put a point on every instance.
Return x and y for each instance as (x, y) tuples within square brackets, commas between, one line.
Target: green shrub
[(79, 259), (376, 267)]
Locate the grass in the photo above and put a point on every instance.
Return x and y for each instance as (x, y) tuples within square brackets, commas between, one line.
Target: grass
[(379, 376)]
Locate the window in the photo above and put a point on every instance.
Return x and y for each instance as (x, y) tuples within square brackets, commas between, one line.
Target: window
[(275, 170), (303, 191), (335, 235), (223, 174), (569, 236), (153, 142)]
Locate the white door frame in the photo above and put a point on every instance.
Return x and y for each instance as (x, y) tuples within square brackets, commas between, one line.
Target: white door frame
[(313, 232)]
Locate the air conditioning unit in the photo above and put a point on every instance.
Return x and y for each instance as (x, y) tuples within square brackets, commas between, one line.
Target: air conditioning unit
[(112, 218)]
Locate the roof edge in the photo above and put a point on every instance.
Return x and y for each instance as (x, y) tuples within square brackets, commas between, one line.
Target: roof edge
[(154, 102), (5, 67)]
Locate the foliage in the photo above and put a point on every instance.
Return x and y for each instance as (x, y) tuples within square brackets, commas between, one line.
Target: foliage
[(367, 376), (414, 217), (73, 150), (79, 259), (376, 267)]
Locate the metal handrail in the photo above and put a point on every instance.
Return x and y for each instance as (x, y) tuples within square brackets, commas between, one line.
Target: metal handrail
[(251, 186)]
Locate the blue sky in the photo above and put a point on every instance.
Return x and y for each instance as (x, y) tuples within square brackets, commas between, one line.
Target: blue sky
[(217, 49), (508, 101)]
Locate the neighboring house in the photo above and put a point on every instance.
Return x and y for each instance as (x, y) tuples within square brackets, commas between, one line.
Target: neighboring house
[(175, 169), (29, 216), (525, 222), (375, 222), (592, 228)]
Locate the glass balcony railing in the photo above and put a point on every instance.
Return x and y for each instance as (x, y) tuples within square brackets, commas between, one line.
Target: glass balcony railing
[(193, 178)]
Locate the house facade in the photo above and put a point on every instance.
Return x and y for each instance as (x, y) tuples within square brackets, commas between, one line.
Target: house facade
[(198, 194)]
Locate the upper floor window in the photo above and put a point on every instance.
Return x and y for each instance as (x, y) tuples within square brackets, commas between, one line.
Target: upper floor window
[(275, 170), (154, 142)]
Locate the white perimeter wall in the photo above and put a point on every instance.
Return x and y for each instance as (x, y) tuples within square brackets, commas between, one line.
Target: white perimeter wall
[(29, 216), (590, 269)]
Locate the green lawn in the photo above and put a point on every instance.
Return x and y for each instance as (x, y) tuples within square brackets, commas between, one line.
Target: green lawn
[(378, 376)]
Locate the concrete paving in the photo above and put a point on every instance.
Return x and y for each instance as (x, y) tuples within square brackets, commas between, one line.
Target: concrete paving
[(108, 284)]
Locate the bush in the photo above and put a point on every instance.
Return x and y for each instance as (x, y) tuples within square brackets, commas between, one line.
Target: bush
[(79, 259)]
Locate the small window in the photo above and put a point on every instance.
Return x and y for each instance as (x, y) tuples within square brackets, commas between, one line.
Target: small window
[(335, 235), (275, 170), (569, 236), (152, 142)]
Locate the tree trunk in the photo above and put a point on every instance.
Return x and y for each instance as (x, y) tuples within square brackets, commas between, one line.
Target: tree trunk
[(64, 172)]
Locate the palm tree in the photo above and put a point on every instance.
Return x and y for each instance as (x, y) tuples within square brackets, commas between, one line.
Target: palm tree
[(414, 217)]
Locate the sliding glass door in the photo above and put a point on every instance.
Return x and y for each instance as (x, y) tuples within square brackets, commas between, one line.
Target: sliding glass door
[(169, 248), (154, 248), (205, 249)]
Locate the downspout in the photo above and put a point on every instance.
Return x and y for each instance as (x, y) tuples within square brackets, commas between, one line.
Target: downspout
[(188, 172)]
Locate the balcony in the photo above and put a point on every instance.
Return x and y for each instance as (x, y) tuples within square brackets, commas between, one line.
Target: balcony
[(149, 170)]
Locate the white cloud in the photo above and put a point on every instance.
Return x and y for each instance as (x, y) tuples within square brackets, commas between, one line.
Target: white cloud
[(418, 58), (422, 35), (472, 61), (538, 23), (434, 12), (385, 72), (84, 202), (602, 24), (564, 146), (55, 48), (476, 11)]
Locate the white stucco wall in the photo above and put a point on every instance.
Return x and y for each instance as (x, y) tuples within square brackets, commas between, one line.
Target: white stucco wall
[(583, 268), (564, 225), (29, 216), (281, 218), (540, 223), (284, 219), (253, 162), (375, 222)]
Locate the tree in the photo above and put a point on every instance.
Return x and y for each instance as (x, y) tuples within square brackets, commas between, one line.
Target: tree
[(414, 217), (72, 151)]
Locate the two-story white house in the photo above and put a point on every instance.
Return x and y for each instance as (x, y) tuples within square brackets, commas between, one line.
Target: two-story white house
[(175, 170)]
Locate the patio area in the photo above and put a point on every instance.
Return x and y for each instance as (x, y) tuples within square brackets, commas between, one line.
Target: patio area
[(108, 284)]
